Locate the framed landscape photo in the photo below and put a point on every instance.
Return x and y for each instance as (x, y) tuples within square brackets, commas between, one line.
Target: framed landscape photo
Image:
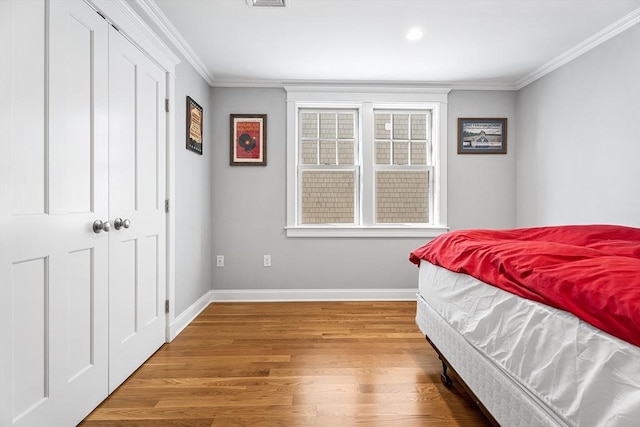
[(248, 140), (482, 136), (194, 126)]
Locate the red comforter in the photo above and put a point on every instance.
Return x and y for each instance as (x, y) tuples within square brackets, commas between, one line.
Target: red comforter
[(592, 271)]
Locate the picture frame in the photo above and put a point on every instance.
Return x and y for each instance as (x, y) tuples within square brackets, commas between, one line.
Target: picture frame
[(248, 145), (194, 126), (482, 136)]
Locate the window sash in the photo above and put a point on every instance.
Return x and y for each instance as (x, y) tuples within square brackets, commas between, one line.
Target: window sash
[(325, 130), (317, 135), (410, 139), (386, 206), (310, 195), (390, 207)]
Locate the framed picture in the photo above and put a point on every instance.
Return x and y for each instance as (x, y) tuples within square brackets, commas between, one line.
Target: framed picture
[(482, 136), (194, 126), (248, 140)]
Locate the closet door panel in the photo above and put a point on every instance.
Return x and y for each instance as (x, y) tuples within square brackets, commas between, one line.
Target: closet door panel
[(53, 186), (71, 142), (30, 293), (123, 155), (80, 351), (23, 114), (137, 182), (77, 196)]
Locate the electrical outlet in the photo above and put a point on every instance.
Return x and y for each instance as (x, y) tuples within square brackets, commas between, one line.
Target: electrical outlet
[(267, 260), (220, 261)]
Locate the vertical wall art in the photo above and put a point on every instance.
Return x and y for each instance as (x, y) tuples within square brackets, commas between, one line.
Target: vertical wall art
[(248, 140), (194, 126)]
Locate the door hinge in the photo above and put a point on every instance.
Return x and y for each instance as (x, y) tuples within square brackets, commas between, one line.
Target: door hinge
[(166, 205), (166, 306), (166, 105)]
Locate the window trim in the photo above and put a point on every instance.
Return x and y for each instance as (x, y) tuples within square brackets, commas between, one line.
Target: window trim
[(369, 98)]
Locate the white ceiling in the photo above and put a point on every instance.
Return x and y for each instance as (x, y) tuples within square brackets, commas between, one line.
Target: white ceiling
[(466, 43)]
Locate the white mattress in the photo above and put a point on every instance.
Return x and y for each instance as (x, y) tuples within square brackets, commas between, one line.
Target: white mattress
[(566, 371)]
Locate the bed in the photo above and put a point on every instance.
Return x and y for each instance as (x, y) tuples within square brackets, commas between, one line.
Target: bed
[(541, 325)]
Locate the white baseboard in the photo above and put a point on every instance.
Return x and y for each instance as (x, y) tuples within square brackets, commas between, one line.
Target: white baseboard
[(276, 295), (284, 295), (187, 316)]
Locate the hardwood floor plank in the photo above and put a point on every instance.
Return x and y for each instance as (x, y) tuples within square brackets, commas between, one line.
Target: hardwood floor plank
[(248, 398), (205, 422), (292, 364)]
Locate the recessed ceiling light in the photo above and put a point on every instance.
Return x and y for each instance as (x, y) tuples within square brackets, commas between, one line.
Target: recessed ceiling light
[(266, 3), (415, 34)]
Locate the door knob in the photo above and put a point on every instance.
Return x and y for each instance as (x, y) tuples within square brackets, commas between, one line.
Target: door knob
[(119, 223), (99, 226)]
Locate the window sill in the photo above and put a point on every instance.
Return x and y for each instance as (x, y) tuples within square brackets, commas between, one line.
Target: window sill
[(365, 232)]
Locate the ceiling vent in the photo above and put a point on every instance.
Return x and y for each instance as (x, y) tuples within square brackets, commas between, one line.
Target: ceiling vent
[(266, 3)]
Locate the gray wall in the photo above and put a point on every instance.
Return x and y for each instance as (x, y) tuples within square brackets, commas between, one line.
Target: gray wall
[(249, 205), (578, 158), (193, 183), (482, 187), (192, 204), (573, 156)]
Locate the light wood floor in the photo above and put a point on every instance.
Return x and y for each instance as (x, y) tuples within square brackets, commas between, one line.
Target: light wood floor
[(292, 364)]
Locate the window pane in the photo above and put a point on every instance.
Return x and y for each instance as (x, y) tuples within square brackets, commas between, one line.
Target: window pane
[(308, 125), (402, 197), (400, 153), (328, 126), (328, 197), (346, 150), (309, 153), (382, 121), (400, 126), (383, 153), (418, 126), (346, 126), (327, 152), (418, 153)]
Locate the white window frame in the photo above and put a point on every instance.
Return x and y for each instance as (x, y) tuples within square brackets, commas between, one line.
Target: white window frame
[(366, 99)]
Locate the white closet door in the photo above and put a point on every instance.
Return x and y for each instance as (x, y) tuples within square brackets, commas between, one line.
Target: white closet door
[(53, 267), (137, 194)]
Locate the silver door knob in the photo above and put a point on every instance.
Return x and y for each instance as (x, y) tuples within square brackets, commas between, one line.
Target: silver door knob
[(99, 226), (119, 223)]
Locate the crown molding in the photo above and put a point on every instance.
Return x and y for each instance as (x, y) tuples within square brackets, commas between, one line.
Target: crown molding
[(151, 9), (399, 85), (602, 36)]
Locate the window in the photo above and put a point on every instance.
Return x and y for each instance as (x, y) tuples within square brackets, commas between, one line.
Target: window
[(402, 166), (328, 166), (366, 163)]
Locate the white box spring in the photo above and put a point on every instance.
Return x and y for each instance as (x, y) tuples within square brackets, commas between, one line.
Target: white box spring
[(528, 363)]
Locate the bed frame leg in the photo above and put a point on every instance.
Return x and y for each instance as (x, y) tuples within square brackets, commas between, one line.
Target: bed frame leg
[(446, 379)]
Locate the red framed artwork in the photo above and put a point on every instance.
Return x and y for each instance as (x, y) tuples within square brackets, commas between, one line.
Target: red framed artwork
[(248, 140)]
